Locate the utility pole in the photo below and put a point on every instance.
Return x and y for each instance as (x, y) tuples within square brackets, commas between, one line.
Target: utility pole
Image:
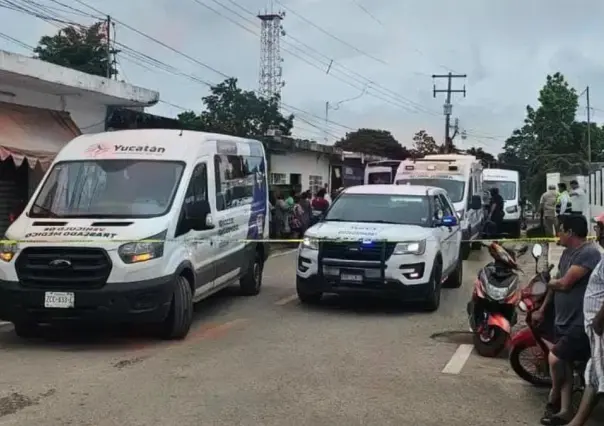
[(588, 128), (109, 53), (448, 108), (326, 120)]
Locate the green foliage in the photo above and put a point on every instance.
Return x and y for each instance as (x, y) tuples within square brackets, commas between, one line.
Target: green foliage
[(79, 48), (486, 159), (424, 144), (375, 142), (233, 111), (550, 139)]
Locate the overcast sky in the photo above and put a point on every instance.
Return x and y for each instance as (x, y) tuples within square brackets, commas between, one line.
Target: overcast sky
[(385, 48)]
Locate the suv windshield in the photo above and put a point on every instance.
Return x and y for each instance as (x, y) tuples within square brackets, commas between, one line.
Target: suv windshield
[(380, 208), (507, 188), (108, 188), (454, 188)]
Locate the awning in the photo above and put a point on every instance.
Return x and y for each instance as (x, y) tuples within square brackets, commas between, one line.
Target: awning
[(34, 134)]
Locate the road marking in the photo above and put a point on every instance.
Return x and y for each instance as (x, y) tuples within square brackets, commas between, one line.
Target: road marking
[(286, 300), (283, 253), (458, 360)]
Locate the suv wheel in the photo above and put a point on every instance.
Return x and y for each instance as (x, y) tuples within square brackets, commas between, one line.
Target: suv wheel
[(432, 303), (26, 329), (455, 279)]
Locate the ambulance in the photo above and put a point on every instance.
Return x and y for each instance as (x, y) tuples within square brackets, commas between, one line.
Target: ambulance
[(459, 175)]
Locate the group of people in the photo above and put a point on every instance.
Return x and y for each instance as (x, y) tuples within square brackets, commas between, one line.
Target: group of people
[(574, 306), (293, 214), (554, 203)]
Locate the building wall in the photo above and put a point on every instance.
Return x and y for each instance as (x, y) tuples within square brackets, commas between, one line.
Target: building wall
[(308, 164), (89, 117)]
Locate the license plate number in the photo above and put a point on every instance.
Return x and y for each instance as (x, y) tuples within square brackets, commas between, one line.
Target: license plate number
[(57, 299), (355, 278)]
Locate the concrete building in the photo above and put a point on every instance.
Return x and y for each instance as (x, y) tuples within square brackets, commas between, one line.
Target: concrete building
[(42, 107)]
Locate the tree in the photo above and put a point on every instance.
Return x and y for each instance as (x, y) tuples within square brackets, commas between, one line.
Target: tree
[(550, 140), (487, 160), (79, 48), (372, 141), (424, 144), (233, 111)]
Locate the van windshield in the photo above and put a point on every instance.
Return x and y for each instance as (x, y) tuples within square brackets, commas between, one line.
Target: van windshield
[(379, 178), (108, 189), (454, 188), (507, 188)]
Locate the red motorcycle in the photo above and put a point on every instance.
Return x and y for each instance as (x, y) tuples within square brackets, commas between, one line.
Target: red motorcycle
[(528, 347), (492, 308)]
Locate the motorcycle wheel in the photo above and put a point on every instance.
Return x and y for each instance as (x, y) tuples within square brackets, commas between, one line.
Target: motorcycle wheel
[(493, 345), (541, 381)]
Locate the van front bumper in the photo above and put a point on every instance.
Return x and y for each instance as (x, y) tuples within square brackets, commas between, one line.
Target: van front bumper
[(124, 302)]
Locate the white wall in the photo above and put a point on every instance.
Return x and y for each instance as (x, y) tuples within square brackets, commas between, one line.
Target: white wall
[(305, 163), (89, 117)]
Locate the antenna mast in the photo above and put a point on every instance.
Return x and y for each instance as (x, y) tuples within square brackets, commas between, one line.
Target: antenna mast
[(271, 71)]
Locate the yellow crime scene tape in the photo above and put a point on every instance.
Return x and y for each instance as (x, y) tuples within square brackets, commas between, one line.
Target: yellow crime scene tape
[(271, 240)]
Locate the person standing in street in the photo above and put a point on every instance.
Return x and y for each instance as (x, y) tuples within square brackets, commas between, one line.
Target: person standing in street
[(578, 198), (564, 205), (593, 313), (547, 208)]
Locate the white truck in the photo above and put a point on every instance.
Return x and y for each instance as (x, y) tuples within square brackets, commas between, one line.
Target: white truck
[(395, 240), (461, 177)]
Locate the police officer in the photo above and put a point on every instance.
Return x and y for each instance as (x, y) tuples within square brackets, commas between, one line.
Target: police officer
[(564, 205)]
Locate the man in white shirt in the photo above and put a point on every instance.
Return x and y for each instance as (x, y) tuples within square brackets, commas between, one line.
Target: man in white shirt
[(578, 199)]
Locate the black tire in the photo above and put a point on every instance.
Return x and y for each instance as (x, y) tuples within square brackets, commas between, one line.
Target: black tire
[(466, 249), (432, 303), (308, 297), (455, 280), (516, 230), (525, 375), (492, 348), (27, 329), (251, 283), (476, 246), (177, 324)]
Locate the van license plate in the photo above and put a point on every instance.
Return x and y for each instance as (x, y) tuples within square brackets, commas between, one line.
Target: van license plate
[(355, 278), (61, 300)]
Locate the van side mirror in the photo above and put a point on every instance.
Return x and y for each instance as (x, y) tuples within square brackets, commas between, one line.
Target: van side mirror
[(476, 202), (198, 215)]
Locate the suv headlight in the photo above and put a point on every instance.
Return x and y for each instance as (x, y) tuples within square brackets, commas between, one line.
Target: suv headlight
[(310, 243), (8, 249), (144, 250), (410, 247)]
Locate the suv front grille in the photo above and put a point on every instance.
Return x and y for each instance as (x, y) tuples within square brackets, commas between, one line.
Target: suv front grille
[(85, 268), (356, 250)]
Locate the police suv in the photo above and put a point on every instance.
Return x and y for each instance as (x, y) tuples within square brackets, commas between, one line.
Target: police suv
[(402, 241), (137, 226)]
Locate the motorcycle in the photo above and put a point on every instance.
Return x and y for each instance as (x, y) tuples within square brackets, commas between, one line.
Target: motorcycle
[(528, 344), (492, 307)]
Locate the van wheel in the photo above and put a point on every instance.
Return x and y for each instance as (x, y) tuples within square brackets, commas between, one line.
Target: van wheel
[(432, 303), (455, 280), (177, 324), (251, 283), (27, 329)]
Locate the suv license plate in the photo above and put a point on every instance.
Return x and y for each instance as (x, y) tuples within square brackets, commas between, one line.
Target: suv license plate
[(355, 278), (61, 300)]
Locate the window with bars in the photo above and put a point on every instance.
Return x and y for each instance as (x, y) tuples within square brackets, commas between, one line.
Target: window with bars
[(315, 183), (278, 179)]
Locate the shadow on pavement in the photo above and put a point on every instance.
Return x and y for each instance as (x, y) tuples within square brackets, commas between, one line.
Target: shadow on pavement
[(364, 305), (74, 337)]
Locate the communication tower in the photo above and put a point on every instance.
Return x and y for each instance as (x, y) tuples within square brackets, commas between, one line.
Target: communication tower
[(271, 71)]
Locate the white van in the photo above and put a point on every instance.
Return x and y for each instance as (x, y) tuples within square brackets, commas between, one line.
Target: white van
[(508, 182), (381, 172), (162, 219), (461, 177)]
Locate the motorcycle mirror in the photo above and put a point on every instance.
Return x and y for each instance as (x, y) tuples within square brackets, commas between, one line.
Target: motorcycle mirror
[(537, 251)]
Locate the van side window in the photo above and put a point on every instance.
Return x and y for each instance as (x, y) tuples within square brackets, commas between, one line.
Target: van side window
[(196, 191), (235, 177)]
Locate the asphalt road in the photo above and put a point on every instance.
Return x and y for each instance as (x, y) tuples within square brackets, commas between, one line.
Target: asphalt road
[(269, 361)]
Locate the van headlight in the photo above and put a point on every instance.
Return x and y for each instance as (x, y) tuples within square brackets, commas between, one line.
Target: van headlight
[(310, 243), (511, 209), (8, 249), (144, 250), (410, 247)]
